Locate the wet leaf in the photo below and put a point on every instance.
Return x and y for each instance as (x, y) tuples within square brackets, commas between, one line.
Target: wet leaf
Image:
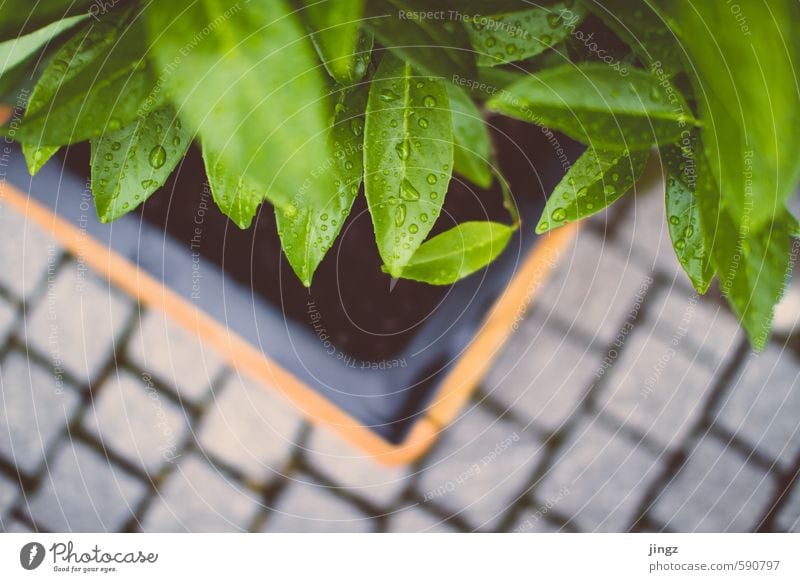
[(250, 86), (688, 179), (91, 43), (408, 158), (309, 228), (593, 104), (130, 164), (344, 48), (595, 181), (457, 253), (516, 36), (104, 95), (744, 73), (19, 17)]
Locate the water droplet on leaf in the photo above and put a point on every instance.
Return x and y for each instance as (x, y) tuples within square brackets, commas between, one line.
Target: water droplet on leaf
[(400, 215), (407, 190), (158, 156)]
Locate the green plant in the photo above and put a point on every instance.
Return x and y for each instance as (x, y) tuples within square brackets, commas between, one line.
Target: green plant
[(297, 104)]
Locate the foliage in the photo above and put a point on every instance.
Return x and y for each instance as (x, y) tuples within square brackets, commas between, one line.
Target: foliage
[(297, 104)]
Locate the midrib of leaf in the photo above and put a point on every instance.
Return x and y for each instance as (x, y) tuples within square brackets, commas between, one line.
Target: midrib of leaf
[(663, 116), (406, 106)]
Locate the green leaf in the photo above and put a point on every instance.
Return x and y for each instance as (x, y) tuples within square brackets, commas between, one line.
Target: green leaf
[(249, 82), (595, 181), (643, 30), (337, 36), (16, 51), (408, 158), (472, 145), (688, 180), (744, 72), (593, 104), (754, 270), (437, 47), (89, 45), (236, 195), (457, 253), (516, 36), (130, 164), (308, 229), (19, 17), (108, 92)]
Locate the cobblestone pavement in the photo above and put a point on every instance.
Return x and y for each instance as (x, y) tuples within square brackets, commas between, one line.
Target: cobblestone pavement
[(623, 402)]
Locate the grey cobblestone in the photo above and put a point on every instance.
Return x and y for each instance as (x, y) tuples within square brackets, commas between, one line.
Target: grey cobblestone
[(415, 520), (77, 322), (645, 231), (36, 408), (84, 493), (25, 253), (132, 419), (352, 469), (174, 356), (198, 498), (7, 316), (598, 479), (594, 288), (16, 526), (789, 515), (309, 507), (533, 521), (531, 379), (250, 427), (715, 491), (481, 466), (8, 493), (764, 404), (657, 388), (697, 320)]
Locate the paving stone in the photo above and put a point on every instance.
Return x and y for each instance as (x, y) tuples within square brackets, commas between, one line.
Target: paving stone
[(250, 427), (82, 492), (198, 498), (11, 525), (8, 493), (132, 419), (657, 388), (26, 253), (534, 520), (7, 316), (416, 520), (36, 407), (480, 467), (353, 470), (595, 288), (530, 377), (308, 507), (77, 322), (763, 405), (598, 479), (174, 356), (682, 314), (715, 491), (789, 516)]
